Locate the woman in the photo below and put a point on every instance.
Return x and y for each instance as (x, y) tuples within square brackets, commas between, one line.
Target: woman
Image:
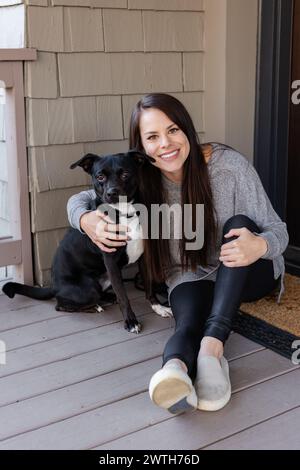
[(241, 258)]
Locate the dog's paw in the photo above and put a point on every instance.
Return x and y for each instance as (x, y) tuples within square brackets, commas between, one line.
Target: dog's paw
[(99, 309), (133, 326), (9, 289), (165, 312)]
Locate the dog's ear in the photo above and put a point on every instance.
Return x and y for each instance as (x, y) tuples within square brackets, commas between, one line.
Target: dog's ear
[(86, 162), (140, 157)]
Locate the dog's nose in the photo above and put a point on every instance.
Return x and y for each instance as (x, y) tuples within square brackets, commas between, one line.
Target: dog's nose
[(113, 192)]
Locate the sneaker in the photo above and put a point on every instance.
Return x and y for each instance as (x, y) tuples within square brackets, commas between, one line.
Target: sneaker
[(212, 383), (172, 389)]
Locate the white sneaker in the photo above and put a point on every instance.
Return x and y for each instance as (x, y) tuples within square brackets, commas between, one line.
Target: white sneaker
[(212, 383), (172, 389)]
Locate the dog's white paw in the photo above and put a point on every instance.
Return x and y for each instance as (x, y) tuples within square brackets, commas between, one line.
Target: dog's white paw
[(99, 309), (136, 329), (162, 311)]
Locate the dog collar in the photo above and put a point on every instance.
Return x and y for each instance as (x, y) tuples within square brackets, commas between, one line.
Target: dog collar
[(125, 208)]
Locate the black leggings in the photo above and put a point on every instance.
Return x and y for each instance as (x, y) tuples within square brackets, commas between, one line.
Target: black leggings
[(207, 308)]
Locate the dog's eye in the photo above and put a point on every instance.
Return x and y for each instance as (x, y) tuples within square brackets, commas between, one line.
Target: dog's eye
[(124, 176), (101, 178)]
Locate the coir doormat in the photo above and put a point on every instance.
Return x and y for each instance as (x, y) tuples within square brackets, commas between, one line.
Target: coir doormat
[(275, 326)]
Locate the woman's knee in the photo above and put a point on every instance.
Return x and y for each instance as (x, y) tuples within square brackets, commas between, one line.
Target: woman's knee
[(239, 221), (192, 297)]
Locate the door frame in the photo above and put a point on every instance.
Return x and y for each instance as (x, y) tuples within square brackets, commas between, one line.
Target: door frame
[(273, 95), (15, 249)]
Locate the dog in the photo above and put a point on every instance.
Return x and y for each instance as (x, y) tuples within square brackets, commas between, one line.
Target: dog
[(82, 273)]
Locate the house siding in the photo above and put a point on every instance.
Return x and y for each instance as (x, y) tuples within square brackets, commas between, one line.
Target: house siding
[(95, 60)]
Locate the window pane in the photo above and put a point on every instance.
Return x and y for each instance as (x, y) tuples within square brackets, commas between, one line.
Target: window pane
[(4, 212), (6, 274)]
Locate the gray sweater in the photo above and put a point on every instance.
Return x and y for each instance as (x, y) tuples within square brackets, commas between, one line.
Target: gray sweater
[(236, 189)]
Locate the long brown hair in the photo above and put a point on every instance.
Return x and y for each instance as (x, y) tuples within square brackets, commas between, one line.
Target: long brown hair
[(195, 189)]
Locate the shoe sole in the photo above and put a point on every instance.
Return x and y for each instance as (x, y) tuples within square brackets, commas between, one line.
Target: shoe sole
[(170, 391)]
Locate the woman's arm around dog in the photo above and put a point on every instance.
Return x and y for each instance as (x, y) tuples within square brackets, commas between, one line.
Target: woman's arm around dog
[(98, 227)]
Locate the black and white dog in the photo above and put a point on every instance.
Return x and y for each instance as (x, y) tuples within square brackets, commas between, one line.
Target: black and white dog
[(81, 272)]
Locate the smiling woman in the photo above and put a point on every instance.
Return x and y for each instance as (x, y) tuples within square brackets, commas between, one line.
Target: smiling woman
[(162, 127), (240, 260), (167, 144)]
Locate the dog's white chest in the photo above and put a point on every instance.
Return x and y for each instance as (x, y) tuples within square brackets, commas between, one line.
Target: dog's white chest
[(135, 247)]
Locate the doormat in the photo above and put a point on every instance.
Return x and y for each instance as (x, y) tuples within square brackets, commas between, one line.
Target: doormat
[(275, 326)]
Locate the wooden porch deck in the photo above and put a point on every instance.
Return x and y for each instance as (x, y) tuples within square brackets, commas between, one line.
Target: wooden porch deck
[(80, 381)]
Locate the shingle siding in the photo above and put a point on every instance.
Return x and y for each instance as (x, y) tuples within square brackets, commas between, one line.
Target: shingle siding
[(96, 58)]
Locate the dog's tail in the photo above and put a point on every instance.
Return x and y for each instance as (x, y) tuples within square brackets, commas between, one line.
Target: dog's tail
[(39, 293)]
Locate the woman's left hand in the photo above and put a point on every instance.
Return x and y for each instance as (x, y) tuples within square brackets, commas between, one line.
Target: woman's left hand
[(244, 250)]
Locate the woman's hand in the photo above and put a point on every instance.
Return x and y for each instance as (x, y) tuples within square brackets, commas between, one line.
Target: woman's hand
[(102, 231), (244, 250)]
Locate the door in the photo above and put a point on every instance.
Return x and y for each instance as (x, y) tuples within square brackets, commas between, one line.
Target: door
[(293, 186)]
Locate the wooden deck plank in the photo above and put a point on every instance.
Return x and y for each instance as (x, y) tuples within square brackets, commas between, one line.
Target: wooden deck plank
[(278, 433), (83, 383), (65, 325), (66, 347), (258, 367), (245, 372), (237, 346), (188, 431), (64, 395), (73, 345), (21, 311), (28, 315), (74, 399), (72, 368), (199, 429), (108, 388), (15, 304), (82, 367)]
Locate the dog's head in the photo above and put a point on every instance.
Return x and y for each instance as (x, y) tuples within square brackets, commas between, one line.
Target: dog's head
[(114, 175)]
